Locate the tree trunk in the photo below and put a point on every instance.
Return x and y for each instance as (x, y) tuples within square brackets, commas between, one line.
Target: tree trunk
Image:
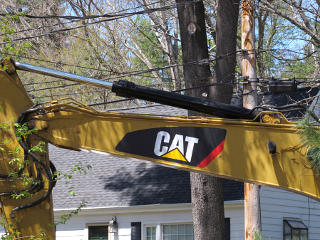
[(194, 46), (207, 207), (206, 191), (226, 43)]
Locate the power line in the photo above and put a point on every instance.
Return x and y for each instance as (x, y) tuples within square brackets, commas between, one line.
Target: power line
[(112, 18), (261, 82), (124, 74), (49, 88), (200, 62), (180, 90), (204, 61), (77, 66), (61, 81), (38, 28), (56, 95), (59, 63), (77, 18), (72, 21), (133, 73), (152, 85), (110, 102), (133, 108), (38, 83), (261, 50)]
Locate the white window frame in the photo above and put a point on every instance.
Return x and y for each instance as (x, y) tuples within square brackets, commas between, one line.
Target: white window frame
[(172, 223), (159, 228), (145, 226), (287, 220)]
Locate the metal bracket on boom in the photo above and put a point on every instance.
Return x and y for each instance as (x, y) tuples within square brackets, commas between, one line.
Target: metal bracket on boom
[(271, 117)]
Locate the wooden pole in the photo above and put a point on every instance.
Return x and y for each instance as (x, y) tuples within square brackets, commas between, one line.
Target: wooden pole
[(248, 67)]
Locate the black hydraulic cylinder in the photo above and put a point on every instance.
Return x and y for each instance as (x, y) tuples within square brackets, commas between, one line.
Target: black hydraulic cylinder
[(130, 90)]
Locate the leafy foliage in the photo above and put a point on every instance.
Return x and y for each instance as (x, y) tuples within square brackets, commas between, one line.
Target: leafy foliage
[(65, 217), (311, 139), (6, 31), (258, 236)]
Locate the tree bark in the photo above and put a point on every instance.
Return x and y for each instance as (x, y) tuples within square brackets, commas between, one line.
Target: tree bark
[(226, 43), (206, 191), (194, 46)]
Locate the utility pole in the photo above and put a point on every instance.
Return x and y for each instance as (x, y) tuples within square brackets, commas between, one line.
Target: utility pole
[(248, 67)]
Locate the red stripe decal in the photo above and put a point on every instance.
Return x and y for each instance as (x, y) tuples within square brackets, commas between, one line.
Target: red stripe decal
[(205, 162)]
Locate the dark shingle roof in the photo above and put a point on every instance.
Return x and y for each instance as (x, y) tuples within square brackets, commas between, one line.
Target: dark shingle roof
[(116, 181)]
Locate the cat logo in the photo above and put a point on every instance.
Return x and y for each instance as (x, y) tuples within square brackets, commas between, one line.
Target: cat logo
[(193, 146), (176, 149)]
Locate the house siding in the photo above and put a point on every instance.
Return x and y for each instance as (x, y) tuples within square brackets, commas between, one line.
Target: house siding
[(236, 216), (77, 227), (277, 204)]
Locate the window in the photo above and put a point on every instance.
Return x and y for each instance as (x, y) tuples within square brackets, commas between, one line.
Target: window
[(151, 233), (98, 232), (294, 230), (177, 232), (174, 231)]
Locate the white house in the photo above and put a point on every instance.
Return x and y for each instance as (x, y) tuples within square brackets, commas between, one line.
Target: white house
[(143, 197)]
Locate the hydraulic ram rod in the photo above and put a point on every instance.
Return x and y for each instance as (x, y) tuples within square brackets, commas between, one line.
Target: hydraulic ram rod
[(62, 75), (131, 90)]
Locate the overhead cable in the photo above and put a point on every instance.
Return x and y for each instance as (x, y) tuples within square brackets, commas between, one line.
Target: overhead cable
[(112, 18), (63, 23), (77, 18)]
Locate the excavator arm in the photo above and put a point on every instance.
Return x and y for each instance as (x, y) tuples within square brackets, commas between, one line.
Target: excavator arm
[(264, 148), (263, 153), (26, 209)]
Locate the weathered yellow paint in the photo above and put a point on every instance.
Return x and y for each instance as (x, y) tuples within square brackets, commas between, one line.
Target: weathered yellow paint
[(31, 221), (245, 156)]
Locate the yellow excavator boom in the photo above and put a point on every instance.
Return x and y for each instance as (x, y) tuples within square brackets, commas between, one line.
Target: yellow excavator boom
[(263, 153), (21, 218), (267, 152)]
